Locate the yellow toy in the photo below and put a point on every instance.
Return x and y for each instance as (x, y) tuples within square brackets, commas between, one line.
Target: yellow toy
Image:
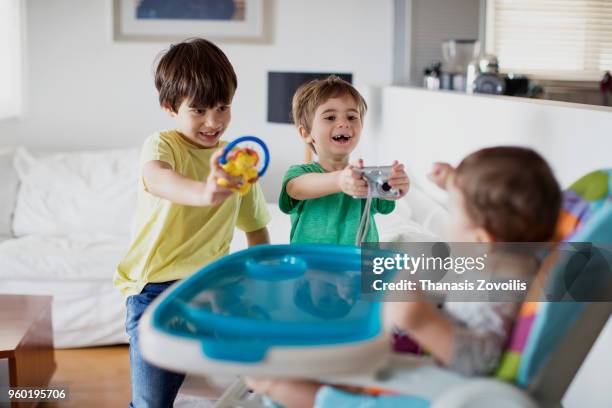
[(242, 162)]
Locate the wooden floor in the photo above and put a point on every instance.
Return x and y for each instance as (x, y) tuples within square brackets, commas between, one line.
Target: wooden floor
[(96, 377), (100, 377)]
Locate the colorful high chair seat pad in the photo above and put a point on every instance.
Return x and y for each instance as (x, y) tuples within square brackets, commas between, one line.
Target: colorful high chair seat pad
[(581, 200), (585, 217), (328, 397)]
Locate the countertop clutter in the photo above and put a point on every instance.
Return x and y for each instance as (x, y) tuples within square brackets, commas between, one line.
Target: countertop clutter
[(467, 68)]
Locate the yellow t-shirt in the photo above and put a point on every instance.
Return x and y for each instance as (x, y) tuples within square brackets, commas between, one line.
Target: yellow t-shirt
[(171, 241)]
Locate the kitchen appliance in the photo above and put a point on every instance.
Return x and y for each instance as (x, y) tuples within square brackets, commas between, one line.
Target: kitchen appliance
[(516, 85), (456, 54), (483, 75), (431, 78)]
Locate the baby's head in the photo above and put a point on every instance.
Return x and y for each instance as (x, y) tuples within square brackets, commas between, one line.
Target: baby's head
[(329, 116), (503, 194), (196, 85)]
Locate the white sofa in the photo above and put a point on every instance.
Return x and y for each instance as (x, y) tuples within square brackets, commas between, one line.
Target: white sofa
[(65, 222), (66, 217)]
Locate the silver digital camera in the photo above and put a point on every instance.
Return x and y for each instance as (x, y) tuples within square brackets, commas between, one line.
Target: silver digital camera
[(377, 178)]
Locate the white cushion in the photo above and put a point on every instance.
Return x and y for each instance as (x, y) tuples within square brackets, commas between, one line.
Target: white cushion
[(417, 218), (426, 210), (75, 192), (8, 192), (76, 256)]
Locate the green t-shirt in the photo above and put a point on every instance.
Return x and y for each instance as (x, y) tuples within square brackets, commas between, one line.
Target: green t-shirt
[(332, 219)]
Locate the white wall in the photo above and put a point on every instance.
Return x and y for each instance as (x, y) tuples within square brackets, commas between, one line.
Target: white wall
[(86, 92), (434, 21), (421, 127)]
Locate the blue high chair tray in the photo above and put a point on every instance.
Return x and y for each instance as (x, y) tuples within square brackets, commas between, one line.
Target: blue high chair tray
[(291, 310)]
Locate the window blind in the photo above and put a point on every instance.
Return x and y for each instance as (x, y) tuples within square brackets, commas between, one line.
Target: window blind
[(555, 39), (10, 58)]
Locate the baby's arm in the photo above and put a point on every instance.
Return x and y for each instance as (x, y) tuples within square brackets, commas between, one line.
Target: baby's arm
[(162, 181), (315, 185), (424, 322), (471, 348)]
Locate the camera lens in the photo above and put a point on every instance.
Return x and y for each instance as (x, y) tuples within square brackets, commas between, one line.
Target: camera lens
[(386, 187)]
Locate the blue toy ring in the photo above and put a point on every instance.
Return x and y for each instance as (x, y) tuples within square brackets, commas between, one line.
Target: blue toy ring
[(231, 145)]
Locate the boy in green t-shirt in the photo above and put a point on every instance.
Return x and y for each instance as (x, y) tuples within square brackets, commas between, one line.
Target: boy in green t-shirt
[(319, 196), (184, 219)]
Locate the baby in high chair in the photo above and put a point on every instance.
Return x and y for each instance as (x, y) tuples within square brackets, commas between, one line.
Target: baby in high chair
[(498, 194)]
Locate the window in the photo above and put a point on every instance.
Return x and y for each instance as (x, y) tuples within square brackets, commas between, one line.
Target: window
[(554, 39), (10, 58)]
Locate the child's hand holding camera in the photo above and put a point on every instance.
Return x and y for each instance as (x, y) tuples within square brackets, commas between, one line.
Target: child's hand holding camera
[(399, 180), (351, 182)]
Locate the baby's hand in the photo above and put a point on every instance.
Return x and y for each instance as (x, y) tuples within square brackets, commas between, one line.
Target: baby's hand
[(352, 182), (399, 179), (441, 174), (214, 193)]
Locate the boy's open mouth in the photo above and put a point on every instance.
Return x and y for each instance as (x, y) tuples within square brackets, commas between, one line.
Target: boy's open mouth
[(209, 136), (341, 139)]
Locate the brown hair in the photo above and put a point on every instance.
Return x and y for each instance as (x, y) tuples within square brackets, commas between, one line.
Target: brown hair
[(312, 94), (511, 192), (196, 70)]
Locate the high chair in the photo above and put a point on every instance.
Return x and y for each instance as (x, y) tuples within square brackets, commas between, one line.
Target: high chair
[(559, 339), (549, 342)]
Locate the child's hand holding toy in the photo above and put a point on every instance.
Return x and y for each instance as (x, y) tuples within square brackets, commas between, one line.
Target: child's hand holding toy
[(241, 165), (214, 193)]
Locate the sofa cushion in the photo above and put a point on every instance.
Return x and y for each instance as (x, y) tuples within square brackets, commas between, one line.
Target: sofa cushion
[(8, 192), (75, 192), (74, 256)]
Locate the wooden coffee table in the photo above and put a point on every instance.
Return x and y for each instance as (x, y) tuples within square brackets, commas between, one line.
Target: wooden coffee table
[(26, 341)]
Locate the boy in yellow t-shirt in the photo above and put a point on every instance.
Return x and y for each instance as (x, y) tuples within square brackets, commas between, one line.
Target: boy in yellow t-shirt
[(184, 219)]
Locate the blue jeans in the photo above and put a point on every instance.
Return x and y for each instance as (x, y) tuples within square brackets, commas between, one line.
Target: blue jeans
[(151, 386)]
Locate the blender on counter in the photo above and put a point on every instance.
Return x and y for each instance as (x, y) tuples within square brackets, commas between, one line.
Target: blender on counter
[(456, 54)]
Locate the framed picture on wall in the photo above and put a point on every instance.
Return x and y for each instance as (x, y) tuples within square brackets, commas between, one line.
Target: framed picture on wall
[(176, 20)]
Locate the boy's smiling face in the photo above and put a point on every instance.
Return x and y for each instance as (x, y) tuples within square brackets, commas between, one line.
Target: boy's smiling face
[(336, 128), (201, 126)]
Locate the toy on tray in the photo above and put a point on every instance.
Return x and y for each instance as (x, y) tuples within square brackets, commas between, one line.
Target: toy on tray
[(242, 162)]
